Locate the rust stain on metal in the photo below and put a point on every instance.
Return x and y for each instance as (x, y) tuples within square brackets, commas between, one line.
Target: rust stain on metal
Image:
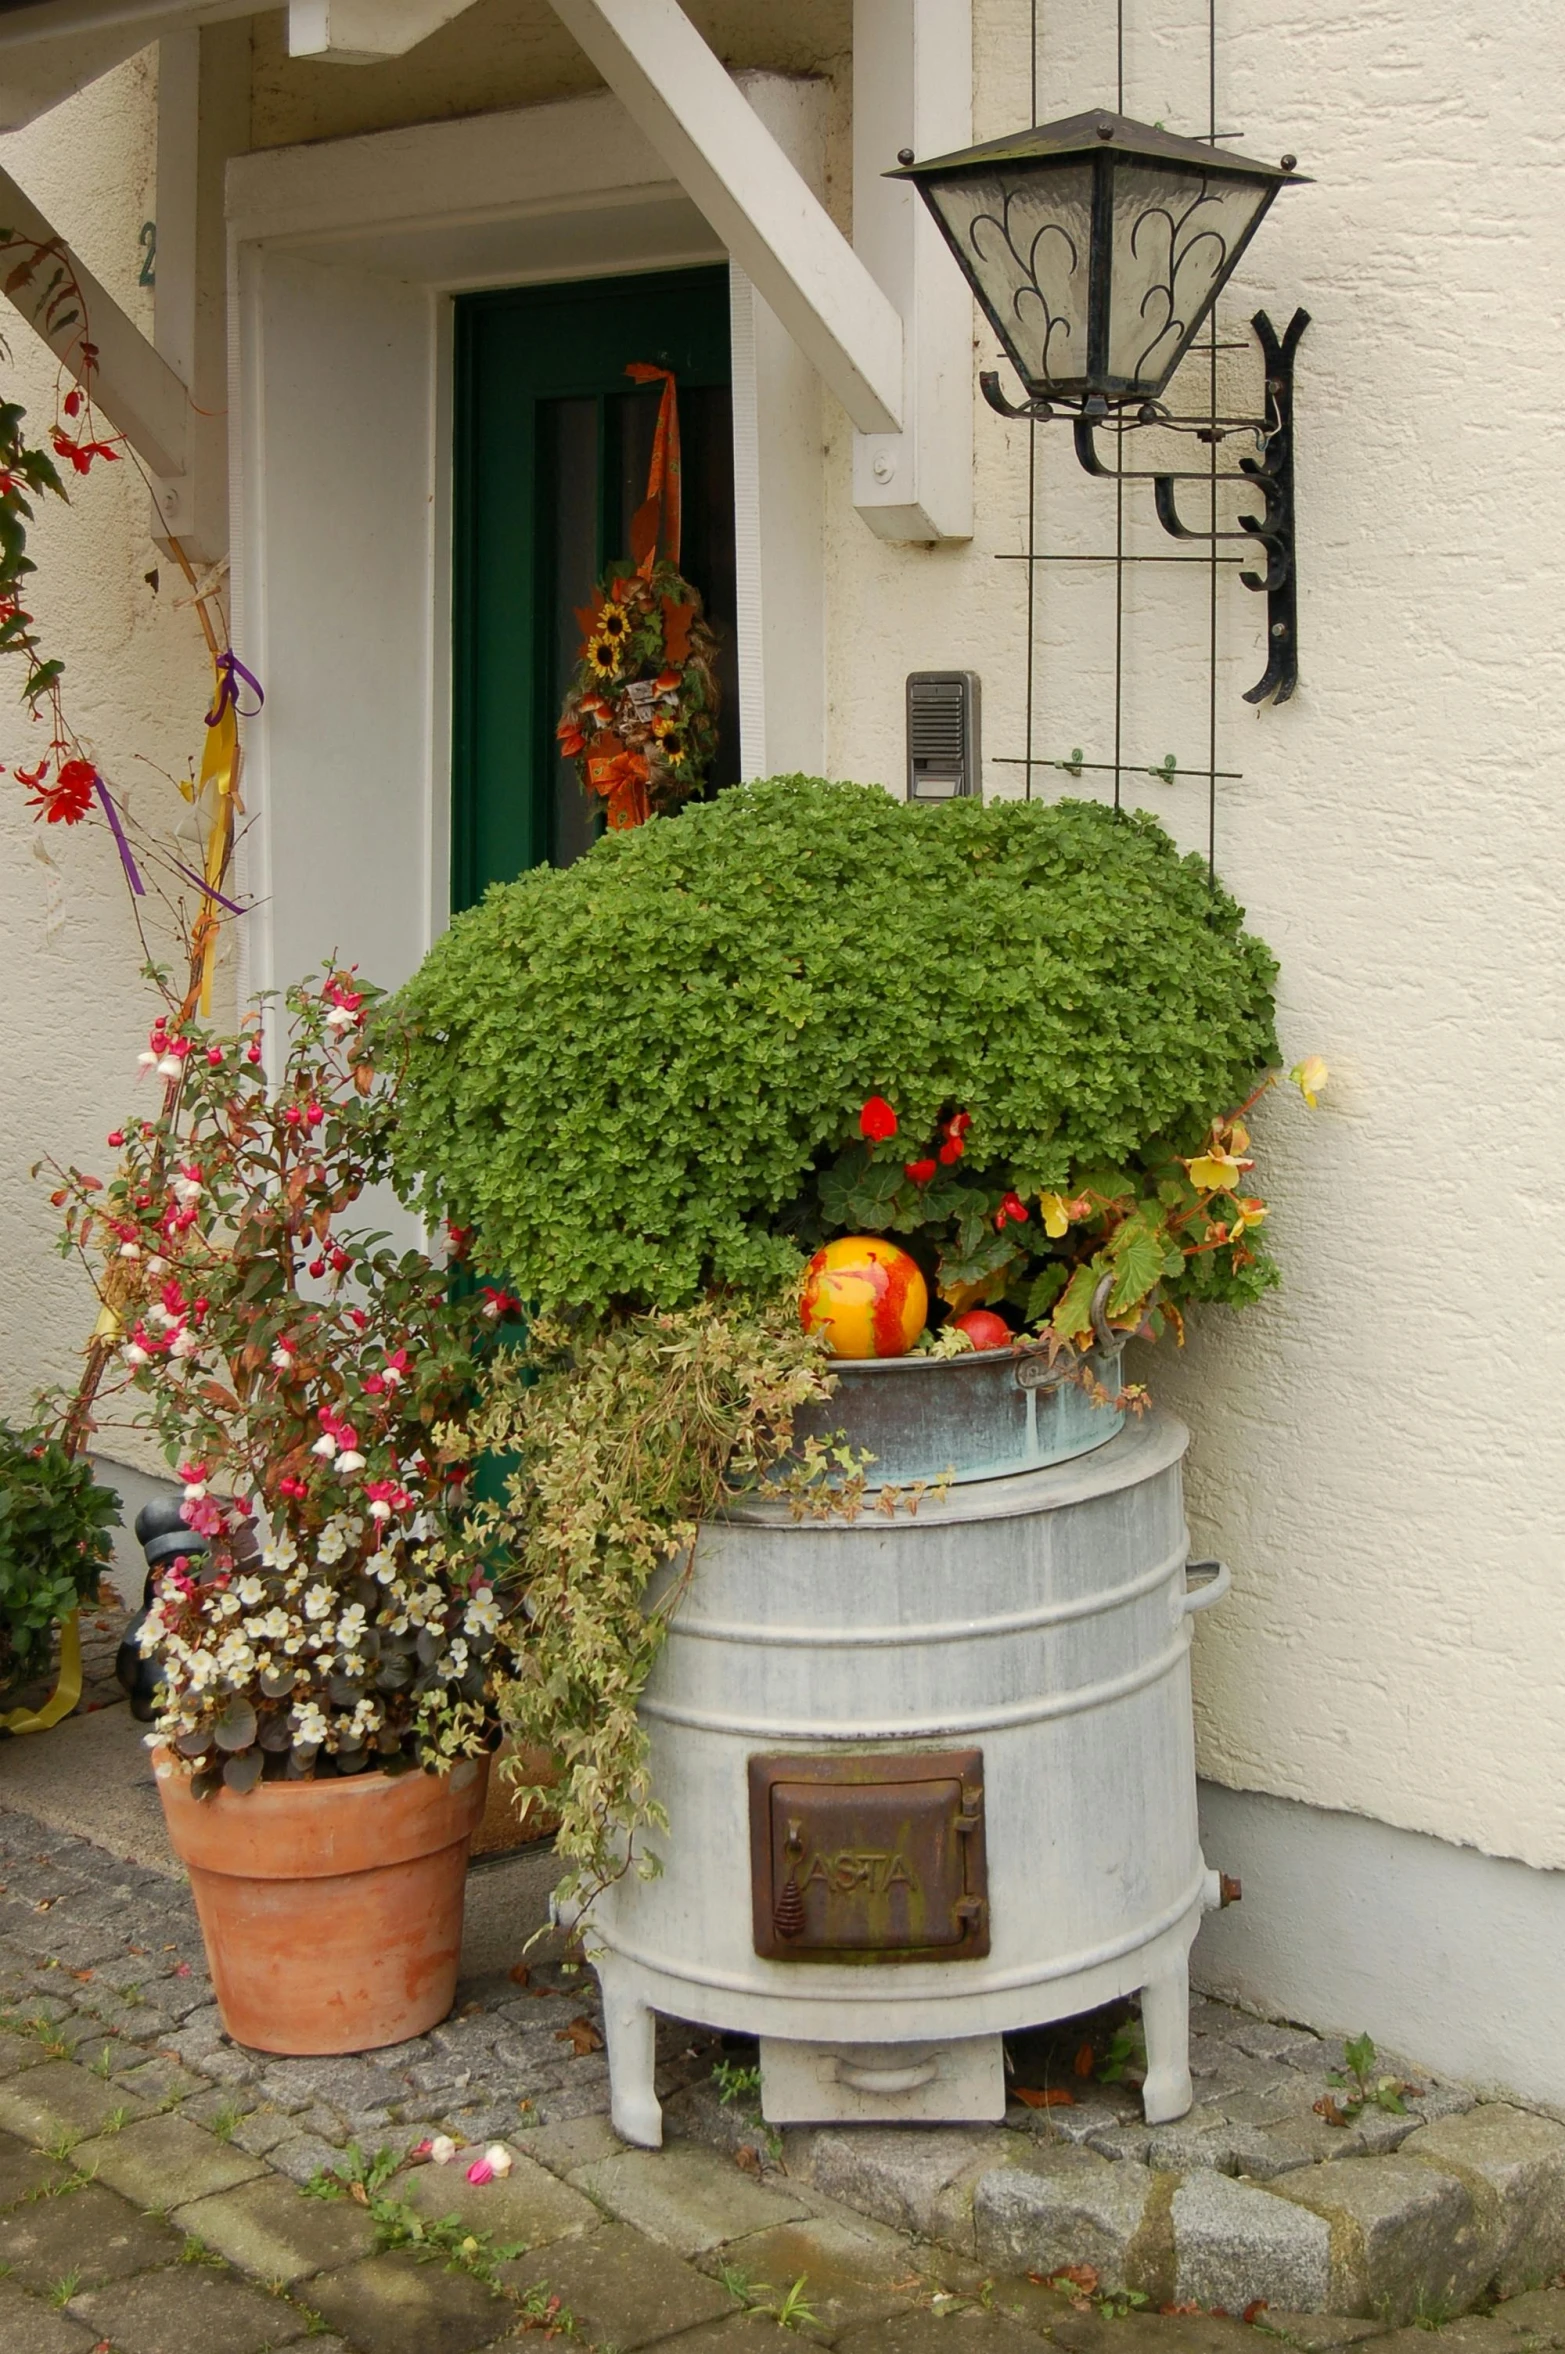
[(869, 1856)]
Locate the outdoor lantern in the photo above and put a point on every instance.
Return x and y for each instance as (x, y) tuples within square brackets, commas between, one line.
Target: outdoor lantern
[(1096, 247)]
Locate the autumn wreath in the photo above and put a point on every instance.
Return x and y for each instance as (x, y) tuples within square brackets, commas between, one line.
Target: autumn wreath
[(640, 715)]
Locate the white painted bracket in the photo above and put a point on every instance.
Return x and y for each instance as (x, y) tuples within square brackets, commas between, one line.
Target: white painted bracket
[(913, 88), (361, 32), (132, 384), (781, 236), (203, 119)]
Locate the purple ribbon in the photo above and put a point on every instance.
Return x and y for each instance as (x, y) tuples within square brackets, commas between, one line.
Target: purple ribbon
[(230, 670), (201, 884), (120, 843)]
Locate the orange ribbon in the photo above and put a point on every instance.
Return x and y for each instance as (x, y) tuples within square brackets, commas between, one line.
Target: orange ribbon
[(658, 518)]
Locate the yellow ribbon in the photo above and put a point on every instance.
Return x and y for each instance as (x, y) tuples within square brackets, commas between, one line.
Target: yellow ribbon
[(219, 766), (67, 1690)]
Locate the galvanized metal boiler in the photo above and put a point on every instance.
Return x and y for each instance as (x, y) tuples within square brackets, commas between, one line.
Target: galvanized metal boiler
[(928, 1778)]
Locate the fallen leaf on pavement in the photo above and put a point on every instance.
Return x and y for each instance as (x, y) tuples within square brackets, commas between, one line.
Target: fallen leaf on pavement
[(1328, 2108), (747, 2160), (1084, 2060), (1056, 2098), (582, 2036), (521, 1974)]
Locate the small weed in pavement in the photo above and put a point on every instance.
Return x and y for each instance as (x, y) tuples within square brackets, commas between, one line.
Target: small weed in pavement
[(358, 2177), (226, 2122), (1364, 2089), (65, 2288)]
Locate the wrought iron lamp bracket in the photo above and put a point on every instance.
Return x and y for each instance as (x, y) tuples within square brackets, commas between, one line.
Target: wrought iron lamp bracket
[(1269, 473)]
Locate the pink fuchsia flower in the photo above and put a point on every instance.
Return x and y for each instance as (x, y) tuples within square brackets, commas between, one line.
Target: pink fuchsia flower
[(498, 1304), (253, 1051), (116, 1138), (877, 1120), (480, 2171), (204, 1515)]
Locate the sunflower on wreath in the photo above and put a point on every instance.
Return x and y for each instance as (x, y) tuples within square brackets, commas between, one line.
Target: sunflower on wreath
[(640, 715)]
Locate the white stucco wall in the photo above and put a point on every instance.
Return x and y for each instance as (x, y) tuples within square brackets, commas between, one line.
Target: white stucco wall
[(135, 685), (1375, 1447)]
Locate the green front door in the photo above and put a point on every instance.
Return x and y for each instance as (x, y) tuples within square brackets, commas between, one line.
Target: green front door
[(553, 442)]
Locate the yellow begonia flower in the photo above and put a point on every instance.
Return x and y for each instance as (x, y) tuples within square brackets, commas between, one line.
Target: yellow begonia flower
[(1251, 1213), (1215, 1171), (1310, 1077), (1056, 1217)]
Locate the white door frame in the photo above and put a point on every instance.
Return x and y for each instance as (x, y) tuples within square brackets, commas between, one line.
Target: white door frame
[(343, 258)]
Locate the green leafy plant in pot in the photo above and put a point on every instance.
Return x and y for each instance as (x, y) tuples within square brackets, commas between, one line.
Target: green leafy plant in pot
[(655, 1084)]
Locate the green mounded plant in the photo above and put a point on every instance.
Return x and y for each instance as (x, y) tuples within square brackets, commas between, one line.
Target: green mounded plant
[(656, 1071), (1021, 1038), (54, 1543)]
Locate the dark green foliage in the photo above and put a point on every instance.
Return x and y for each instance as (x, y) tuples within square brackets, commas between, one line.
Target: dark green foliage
[(626, 1074), (54, 1543)]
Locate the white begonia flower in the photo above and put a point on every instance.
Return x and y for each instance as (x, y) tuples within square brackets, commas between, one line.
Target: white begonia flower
[(294, 1645), (282, 1553), (228, 1606), (350, 1460), (325, 1446), (251, 1592), (308, 1723), (351, 1625), (455, 1662), (318, 1602), (203, 1670), (482, 1615), (332, 1543)]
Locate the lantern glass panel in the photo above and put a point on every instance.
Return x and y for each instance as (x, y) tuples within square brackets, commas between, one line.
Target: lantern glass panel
[(1025, 244), (1176, 236)]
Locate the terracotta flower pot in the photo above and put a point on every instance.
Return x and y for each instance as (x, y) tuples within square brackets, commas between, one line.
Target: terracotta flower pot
[(331, 1911)]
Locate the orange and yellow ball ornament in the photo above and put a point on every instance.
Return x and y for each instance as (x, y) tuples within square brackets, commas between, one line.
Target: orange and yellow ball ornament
[(866, 1295)]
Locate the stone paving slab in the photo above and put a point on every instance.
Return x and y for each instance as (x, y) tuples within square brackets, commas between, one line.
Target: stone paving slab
[(622, 2290), (28, 2327), (688, 2198), (395, 2305), (270, 2231), (165, 2162), (87, 2236), (188, 2309), (527, 2208), (61, 2100)]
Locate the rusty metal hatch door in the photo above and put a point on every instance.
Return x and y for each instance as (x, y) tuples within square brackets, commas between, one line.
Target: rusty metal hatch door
[(870, 1857)]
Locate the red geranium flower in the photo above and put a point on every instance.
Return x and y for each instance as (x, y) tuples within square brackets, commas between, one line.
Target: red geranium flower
[(68, 800), (877, 1120)]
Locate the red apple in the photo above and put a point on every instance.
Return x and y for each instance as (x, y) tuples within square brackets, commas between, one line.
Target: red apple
[(985, 1329)]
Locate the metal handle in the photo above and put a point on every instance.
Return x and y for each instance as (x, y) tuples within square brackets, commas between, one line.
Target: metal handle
[(1211, 1589), (887, 2080)]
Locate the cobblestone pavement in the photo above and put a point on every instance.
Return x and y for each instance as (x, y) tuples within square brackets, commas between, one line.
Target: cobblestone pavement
[(151, 2173)]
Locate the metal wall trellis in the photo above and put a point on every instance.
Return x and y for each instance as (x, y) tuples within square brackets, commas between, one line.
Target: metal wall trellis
[(1200, 366)]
